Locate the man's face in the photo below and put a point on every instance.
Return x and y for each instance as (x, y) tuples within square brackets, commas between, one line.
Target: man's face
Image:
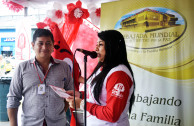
[(43, 47)]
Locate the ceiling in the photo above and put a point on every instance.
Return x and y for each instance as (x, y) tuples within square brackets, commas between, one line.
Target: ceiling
[(48, 3), (37, 9)]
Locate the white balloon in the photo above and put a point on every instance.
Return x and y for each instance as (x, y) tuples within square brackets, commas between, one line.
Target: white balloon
[(57, 6), (50, 13)]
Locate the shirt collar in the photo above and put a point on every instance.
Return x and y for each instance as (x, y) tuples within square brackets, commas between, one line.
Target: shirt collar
[(53, 60)]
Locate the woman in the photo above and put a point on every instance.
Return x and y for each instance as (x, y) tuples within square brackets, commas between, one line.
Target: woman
[(111, 85)]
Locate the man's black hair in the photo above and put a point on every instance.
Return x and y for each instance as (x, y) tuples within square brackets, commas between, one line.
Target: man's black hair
[(42, 33)]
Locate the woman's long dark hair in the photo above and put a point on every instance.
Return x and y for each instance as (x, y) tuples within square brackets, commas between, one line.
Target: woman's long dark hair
[(115, 54)]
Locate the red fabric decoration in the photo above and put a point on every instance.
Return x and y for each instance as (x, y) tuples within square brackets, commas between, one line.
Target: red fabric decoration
[(41, 25), (98, 12), (62, 51), (13, 6), (59, 13), (86, 38), (47, 21), (70, 31), (76, 13)]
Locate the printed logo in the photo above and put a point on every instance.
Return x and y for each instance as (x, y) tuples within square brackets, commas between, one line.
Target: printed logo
[(157, 34), (118, 89), (151, 27)]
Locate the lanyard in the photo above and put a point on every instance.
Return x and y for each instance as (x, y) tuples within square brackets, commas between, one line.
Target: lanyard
[(39, 75)]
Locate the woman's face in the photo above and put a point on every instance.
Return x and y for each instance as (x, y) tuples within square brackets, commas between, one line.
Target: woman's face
[(100, 50)]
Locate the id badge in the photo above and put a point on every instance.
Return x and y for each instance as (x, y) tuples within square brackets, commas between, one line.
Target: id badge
[(41, 89)]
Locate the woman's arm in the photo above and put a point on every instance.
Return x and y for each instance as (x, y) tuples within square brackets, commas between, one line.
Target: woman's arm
[(118, 87)]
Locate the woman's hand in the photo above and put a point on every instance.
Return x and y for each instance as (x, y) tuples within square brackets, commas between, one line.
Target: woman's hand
[(81, 79), (71, 102), (71, 92)]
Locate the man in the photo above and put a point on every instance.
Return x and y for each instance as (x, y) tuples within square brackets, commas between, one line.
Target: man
[(32, 79)]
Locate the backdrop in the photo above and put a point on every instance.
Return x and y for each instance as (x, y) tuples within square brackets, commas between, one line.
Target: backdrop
[(159, 38)]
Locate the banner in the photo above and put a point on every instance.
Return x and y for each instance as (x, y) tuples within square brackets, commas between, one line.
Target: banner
[(23, 40), (159, 39)]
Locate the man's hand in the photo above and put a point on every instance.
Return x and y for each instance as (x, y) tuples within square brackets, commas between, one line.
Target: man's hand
[(71, 102)]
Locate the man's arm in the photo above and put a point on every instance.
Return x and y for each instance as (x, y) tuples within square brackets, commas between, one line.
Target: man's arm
[(12, 114)]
